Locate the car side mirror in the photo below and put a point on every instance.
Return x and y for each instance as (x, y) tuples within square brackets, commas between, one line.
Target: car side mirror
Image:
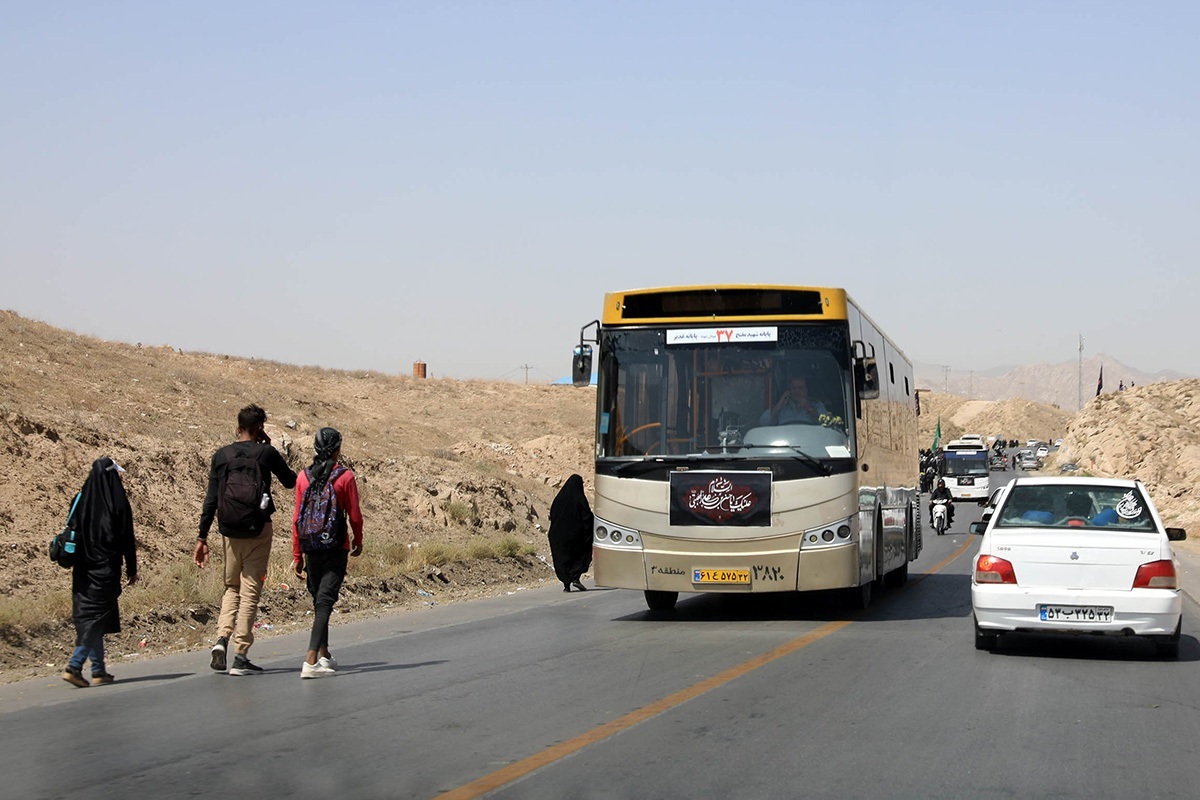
[(978, 527), (1176, 534)]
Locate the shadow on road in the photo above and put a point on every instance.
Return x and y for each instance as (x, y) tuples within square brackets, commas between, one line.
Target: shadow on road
[(927, 596), (383, 666), (1089, 648), (166, 676)]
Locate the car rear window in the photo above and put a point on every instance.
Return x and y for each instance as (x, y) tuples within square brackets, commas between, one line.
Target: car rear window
[(1076, 506)]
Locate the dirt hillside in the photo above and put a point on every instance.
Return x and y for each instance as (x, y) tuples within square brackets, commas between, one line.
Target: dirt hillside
[(454, 475), (1151, 433), (1014, 418)]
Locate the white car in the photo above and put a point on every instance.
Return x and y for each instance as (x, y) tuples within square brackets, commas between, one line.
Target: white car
[(989, 508), (1077, 556), (1043, 451)]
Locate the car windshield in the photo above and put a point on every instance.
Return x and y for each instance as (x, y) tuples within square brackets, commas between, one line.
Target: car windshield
[(1076, 506)]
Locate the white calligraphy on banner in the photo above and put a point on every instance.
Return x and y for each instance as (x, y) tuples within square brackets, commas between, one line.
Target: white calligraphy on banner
[(722, 335)]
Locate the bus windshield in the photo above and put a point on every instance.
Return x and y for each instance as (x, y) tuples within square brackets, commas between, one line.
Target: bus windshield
[(766, 391), (962, 463)]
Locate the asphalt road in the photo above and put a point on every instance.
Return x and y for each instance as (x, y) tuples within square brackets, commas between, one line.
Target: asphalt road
[(550, 695)]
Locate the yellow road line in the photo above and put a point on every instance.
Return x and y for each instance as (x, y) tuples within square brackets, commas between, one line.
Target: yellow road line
[(553, 753), (519, 769)]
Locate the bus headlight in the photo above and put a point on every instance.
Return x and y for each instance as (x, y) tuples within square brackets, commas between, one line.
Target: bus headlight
[(609, 535), (835, 534)]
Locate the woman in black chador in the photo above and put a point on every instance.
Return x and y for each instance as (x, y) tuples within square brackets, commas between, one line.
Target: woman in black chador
[(104, 523), (571, 534)]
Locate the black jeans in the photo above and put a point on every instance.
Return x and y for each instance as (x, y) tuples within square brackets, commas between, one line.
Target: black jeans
[(325, 572)]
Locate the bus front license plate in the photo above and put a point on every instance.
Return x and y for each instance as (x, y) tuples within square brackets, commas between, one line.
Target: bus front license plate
[(721, 576)]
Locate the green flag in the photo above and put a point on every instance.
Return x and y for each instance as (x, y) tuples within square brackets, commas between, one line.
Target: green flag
[(937, 435)]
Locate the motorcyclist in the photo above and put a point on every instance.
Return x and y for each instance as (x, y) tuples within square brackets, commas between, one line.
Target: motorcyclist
[(942, 493)]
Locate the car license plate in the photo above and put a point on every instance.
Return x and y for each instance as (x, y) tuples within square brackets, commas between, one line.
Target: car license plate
[(724, 576), (1075, 613)]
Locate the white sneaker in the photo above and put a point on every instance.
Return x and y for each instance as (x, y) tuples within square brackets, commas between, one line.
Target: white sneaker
[(330, 662), (317, 670)]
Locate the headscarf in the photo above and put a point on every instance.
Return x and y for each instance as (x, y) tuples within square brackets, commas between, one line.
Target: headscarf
[(103, 517), (325, 443)]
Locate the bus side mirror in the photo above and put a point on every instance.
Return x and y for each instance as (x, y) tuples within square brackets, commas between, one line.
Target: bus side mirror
[(866, 373), (581, 365), (866, 379)]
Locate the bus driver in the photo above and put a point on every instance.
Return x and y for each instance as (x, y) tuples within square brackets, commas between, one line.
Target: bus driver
[(794, 406)]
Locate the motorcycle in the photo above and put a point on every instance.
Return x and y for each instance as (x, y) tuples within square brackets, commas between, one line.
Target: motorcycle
[(941, 516)]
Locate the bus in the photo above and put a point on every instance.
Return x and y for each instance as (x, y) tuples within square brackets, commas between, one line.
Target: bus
[(713, 475), (964, 466)]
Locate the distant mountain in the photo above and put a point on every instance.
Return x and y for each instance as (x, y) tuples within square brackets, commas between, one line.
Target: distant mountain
[(1063, 384)]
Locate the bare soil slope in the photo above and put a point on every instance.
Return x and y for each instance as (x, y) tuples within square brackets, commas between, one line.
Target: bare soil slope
[(1151, 433), (448, 470), (1014, 418)]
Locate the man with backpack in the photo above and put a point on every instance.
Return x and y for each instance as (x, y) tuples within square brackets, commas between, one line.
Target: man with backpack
[(326, 500), (239, 498)]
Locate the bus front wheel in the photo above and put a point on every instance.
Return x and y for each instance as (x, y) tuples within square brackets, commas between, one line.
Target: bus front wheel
[(859, 597), (661, 601)]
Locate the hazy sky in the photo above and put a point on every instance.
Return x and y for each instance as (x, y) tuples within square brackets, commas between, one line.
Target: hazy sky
[(362, 185)]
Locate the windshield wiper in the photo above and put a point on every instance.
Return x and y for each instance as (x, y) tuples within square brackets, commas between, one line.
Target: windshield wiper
[(800, 455)]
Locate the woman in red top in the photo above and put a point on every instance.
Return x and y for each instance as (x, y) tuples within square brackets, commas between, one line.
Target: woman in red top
[(326, 500)]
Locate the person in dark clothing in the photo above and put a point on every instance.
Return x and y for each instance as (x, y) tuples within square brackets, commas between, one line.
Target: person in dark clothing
[(940, 492), (324, 568), (246, 545), (571, 534), (104, 522)]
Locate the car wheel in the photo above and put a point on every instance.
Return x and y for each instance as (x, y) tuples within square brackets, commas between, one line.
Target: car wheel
[(984, 641), (661, 601), (1169, 647)]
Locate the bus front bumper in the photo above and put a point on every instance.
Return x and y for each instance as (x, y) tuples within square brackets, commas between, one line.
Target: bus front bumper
[(775, 566)]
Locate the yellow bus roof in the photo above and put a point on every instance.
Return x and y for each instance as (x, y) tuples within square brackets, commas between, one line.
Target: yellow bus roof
[(711, 303)]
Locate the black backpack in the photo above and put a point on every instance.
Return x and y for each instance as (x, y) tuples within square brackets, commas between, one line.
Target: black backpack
[(321, 524), (241, 495), (62, 546)]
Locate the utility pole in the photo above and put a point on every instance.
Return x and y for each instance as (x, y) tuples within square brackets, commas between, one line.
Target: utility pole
[(526, 367), (1080, 398), (945, 378)]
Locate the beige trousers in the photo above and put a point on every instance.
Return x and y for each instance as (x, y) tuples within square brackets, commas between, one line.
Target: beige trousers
[(245, 571)]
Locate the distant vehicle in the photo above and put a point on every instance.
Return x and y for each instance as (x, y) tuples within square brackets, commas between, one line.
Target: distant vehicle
[(1032, 443), (1070, 467), (1058, 442), (971, 437), (965, 469), (1120, 577), (1043, 451), (997, 460), (1029, 461)]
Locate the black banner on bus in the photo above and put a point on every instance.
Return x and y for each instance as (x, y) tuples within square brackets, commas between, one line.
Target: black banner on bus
[(721, 498)]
